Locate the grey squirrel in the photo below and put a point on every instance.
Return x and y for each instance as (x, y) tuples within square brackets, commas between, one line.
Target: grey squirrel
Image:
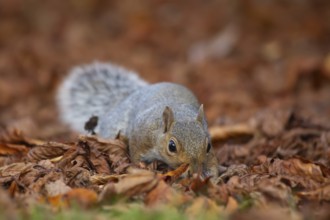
[(162, 121)]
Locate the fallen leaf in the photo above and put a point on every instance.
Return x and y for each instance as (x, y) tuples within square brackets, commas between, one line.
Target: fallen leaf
[(49, 150), (10, 149), (165, 194), (204, 207), (79, 196), (136, 182), (232, 205), (57, 187), (175, 174), (320, 194), (14, 169), (101, 179), (223, 133)]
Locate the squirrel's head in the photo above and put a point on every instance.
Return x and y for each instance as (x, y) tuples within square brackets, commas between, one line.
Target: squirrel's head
[(187, 142)]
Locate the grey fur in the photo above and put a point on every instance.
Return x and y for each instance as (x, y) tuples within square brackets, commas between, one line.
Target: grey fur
[(93, 90), (127, 104)]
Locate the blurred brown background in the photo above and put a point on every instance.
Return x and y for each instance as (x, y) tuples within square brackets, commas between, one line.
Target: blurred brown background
[(239, 57)]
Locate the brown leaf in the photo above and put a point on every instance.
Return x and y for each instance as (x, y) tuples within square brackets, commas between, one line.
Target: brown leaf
[(306, 173), (14, 169), (7, 206), (115, 147), (273, 190), (319, 194), (83, 197), (101, 179), (10, 149), (17, 137), (232, 205), (35, 179), (198, 184), (57, 187), (13, 189), (97, 155), (219, 193), (239, 169), (48, 150), (136, 182), (164, 194), (203, 207), (87, 157), (273, 121), (175, 174), (223, 133), (269, 212), (77, 177)]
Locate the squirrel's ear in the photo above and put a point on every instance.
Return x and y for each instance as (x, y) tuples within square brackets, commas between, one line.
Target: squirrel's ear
[(200, 115), (168, 118)]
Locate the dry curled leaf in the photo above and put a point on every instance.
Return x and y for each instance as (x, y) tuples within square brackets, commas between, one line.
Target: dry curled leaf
[(319, 194), (199, 185), (222, 133), (136, 182), (175, 174), (101, 179), (306, 173), (12, 149), (203, 207), (57, 187), (14, 169), (48, 150), (232, 205), (7, 206), (17, 137), (79, 196), (165, 194), (110, 147)]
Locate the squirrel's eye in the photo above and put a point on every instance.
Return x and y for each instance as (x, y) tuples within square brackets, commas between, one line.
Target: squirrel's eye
[(208, 147), (172, 146)]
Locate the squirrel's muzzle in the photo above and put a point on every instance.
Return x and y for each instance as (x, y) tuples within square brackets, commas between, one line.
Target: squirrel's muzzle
[(200, 169), (195, 167)]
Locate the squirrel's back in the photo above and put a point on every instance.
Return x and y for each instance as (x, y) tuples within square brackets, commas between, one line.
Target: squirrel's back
[(93, 90)]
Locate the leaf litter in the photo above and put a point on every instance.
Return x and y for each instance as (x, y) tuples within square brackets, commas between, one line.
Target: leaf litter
[(278, 173)]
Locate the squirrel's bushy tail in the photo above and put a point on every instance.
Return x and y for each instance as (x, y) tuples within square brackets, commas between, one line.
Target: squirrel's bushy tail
[(93, 90)]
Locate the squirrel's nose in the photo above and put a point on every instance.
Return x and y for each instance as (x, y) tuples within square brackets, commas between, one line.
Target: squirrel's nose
[(195, 167)]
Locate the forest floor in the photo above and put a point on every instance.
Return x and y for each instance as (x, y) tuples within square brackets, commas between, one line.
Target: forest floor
[(261, 68)]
